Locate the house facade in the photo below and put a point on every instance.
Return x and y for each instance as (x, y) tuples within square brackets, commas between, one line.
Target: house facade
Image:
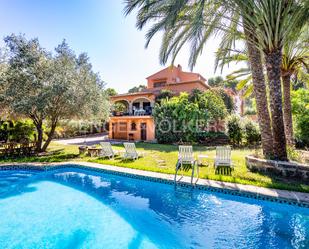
[(135, 120)]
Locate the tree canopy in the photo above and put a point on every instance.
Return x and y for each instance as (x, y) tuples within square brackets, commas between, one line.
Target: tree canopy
[(47, 87), (111, 92), (136, 89), (218, 81), (215, 81)]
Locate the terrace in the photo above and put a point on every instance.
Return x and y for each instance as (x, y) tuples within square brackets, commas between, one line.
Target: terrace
[(133, 104), (140, 106)]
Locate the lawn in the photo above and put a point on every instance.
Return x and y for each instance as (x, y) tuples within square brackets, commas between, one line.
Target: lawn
[(162, 158)]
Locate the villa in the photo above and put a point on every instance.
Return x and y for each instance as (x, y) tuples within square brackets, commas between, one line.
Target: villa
[(180, 160), (136, 121)]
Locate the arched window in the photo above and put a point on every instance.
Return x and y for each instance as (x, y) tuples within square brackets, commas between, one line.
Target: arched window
[(133, 126)]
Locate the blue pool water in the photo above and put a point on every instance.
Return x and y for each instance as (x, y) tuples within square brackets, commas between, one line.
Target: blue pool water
[(74, 208)]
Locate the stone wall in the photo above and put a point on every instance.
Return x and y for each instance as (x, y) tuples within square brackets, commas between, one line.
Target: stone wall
[(287, 169)]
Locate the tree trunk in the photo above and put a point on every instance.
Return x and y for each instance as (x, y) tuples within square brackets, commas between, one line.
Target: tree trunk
[(260, 94), (273, 67), (50, 136), (40, 136), (287, 110)]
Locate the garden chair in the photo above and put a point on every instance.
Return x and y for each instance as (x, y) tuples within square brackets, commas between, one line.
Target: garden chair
[(33, 149), (11, 149), (185, 156), (2, 150), (107, 150), (223, 157), (131, 152), (25, 149)]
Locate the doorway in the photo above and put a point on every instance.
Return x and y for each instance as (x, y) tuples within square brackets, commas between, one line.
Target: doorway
[(143, 131)]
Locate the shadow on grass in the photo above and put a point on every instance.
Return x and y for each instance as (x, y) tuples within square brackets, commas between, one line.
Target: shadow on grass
[(58, 155), (224, 171), (157, 147), (167, 148)]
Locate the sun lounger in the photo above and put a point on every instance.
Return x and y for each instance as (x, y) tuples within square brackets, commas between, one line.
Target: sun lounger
[(223, 157), (131, 152), (107, 150)]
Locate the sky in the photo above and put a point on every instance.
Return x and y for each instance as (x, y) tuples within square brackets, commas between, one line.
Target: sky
[(99, 28)]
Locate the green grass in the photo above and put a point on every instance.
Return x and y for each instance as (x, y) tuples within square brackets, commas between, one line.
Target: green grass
[(162, 158)]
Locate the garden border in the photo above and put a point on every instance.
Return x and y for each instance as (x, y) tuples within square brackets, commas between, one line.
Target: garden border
[(286, 169)]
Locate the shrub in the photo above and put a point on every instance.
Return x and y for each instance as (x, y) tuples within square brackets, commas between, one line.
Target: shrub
[(293, 154), (119, 107), (300, 111), (173, 119), (164, 94), (243, 130), (22, 131), (227, 99), (212, 105), (195, 95), (251, 132), (181, 118), (209, 134), (212, 137), (4, 130), (67, 129), (234, 129), (75, 128), (17, 131)]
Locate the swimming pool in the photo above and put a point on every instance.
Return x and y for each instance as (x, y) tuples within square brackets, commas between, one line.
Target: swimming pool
[(76, 208)]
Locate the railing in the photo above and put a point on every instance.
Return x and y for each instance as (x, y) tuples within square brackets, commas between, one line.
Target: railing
[(141, 112)]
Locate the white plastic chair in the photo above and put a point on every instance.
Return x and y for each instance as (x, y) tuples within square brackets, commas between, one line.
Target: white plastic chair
[(107, 150), (223, 157), (131, 152)]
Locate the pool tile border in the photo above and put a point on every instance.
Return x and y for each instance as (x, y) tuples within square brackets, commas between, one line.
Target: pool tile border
[(266, 194)]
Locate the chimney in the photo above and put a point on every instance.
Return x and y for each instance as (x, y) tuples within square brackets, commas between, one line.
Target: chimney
[(179, 67)]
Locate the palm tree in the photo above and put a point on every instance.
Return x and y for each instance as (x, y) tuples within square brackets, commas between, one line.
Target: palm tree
[(275, 21), (266, 24), (196, 22), (259, 88), (295, 58)]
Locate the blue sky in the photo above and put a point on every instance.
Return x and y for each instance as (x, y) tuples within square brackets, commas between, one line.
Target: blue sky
[(99, 28)]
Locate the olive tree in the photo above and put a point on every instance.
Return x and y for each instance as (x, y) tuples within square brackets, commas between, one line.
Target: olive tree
[(48, 87)]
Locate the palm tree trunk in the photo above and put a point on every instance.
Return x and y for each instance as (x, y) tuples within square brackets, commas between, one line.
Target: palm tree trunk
[(260, 94), (273, 67), (287, 110)]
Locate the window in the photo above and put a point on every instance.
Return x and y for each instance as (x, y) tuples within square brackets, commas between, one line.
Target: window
[(159, 84), (133, 126)]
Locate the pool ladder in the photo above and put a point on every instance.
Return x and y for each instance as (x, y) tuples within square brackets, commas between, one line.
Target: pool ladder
[(178, 166)]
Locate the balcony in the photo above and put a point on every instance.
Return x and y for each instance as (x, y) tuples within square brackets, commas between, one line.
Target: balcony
[(138, 112), (138, 107)]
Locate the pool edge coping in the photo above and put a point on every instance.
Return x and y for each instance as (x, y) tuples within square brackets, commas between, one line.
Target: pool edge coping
[(269, 194)]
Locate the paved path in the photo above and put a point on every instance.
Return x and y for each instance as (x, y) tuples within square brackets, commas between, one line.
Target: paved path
[(84, 140), (252, 191)]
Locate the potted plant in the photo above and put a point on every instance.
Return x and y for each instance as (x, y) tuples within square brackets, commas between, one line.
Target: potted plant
[(119, 108)]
